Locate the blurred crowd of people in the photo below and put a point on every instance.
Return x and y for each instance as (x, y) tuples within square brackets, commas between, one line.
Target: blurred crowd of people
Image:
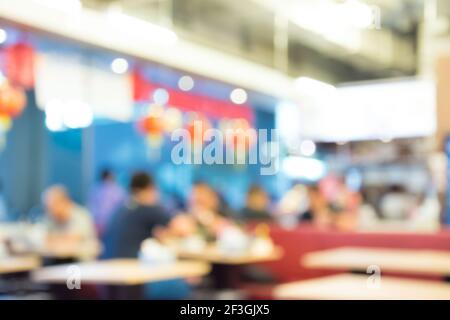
[(123, 221)]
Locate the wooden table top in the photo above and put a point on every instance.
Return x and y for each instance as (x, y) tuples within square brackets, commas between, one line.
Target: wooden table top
[(428, 262), (212, 254), (121, 272), (19, 264), (355, 287), (87, 251)]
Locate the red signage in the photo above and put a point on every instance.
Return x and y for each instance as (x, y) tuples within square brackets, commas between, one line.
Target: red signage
[(188, 102)]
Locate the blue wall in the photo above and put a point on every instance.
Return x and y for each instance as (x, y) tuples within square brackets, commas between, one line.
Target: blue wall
[(36, 158), (120, 147)]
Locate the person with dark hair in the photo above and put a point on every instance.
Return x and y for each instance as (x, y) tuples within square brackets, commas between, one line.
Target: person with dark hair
[(140, 218), (257, 203), (106, 175), (105, 198)]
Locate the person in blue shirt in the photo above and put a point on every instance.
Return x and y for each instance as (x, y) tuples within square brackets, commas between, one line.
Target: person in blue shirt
[(140, 218)]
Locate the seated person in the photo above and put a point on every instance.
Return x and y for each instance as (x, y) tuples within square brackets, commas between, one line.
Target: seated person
[(257, 203), (343, 205), (397, 203), (3, 208), (293, 206), (207, 212), (105, 198), (140, 218), (318, 210), (68, 224)]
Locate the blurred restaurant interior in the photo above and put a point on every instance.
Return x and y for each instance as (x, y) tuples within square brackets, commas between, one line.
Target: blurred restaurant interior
[(224, 149)]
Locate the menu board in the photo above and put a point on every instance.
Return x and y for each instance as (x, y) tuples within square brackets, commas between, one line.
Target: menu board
[(366, 111)]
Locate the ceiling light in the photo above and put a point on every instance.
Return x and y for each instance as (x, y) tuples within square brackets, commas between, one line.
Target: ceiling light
[(238, 96), (186, 83), (119, 66), (161, 96), (307, 148)]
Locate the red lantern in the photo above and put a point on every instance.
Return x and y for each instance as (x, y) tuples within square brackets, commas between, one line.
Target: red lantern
[(244, 136), (12, 100), (19, 63), (151, 125), (197, 128)]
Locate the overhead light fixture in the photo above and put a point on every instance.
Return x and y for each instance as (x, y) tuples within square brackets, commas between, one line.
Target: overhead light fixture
[(357, 14), (339, 23), (310, 85), (3, 36), (132, 26), (119, 66), (329, 17), (238, 96), (68, 6), (186, 83)]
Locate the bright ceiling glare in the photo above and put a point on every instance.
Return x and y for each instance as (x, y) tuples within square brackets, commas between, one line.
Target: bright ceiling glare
[(307, 148), (3, 36), (359, 15), (186, 83), (68, 6), (141, 29), (238, 96), (119, 66), (313, 86)]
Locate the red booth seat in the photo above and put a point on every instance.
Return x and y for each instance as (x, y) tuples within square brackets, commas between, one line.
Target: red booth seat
[(307, 238)]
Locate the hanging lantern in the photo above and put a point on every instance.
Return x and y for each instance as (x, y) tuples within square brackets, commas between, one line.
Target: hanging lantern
[(197, 127), (152, 126), (19, 64), (12, 100), (243, 130), (172, 119)]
